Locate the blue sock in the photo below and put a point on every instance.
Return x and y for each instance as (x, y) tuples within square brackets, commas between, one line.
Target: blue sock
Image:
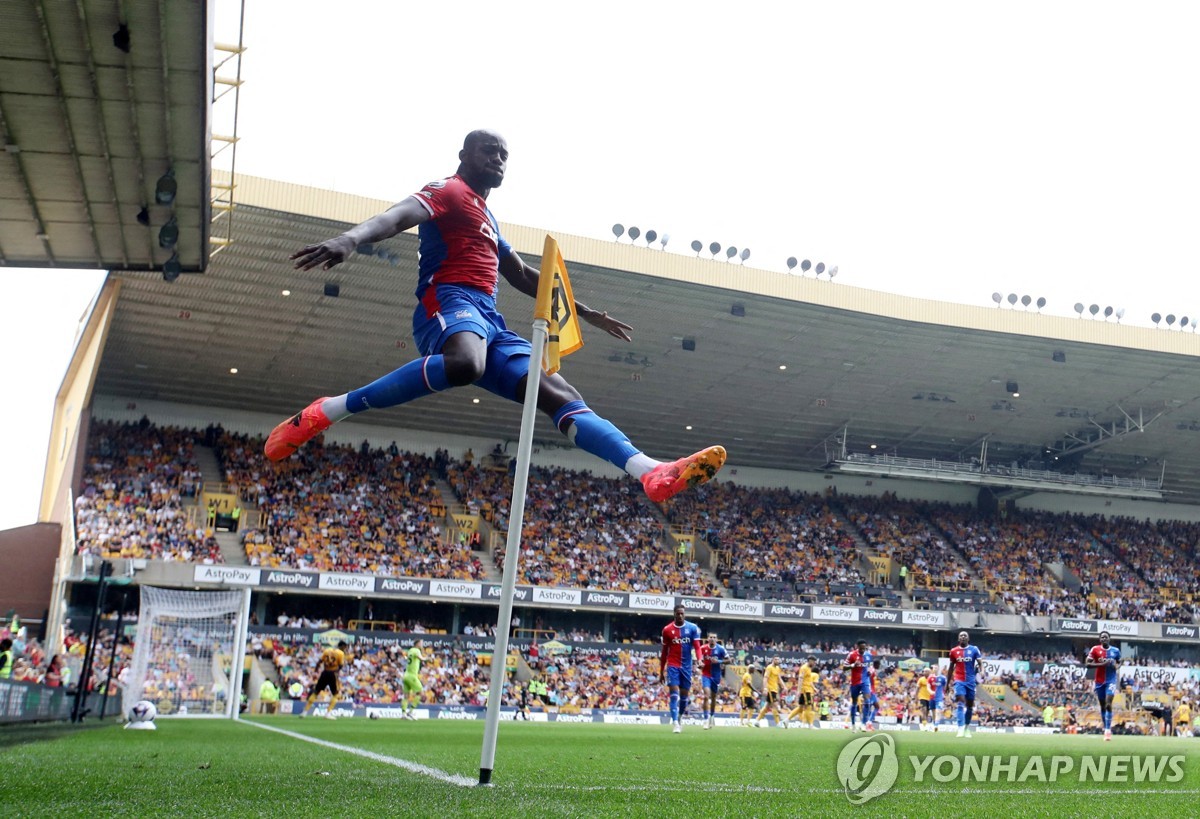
[(970, 713), (853, 712), (415, 379), (683, 704), (674, 706), (1107, 720), (960, 711), (594, 434)]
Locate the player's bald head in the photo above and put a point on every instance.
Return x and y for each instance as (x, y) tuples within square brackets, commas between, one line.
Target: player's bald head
[(477, 135)]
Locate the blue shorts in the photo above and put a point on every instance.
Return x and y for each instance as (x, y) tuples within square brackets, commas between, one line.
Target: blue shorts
[(710, 683), (466, 310), (964, 690), (936, 705), (1105, 690), (681, 677), (859, 690)]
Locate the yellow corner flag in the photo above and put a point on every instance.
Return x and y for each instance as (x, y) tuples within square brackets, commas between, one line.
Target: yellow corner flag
[(556, 304)]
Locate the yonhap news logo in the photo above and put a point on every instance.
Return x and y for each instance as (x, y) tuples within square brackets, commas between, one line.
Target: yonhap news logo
[(870, 766)]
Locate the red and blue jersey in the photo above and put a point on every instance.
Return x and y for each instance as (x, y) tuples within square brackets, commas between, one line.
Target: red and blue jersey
[(857, 661), (460, 244), (1106, 673), (937, 686), (711, 659), (679, 643), (965, 660)]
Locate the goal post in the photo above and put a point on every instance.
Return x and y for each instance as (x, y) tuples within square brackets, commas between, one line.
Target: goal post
[(189, 652)]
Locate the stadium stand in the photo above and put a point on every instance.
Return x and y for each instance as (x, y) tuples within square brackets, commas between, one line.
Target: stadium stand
[(381, 511), (776, 543), (583, 531), (131, 500), (337, 508)]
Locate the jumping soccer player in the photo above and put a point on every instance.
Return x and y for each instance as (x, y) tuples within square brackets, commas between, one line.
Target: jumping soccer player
[(746, 694), (411, 680), (1105, 657), (680, 641), (857, 660), (807, 676), (712, 666), (330, 663), (462, 337), (964, 663), (772, 676)]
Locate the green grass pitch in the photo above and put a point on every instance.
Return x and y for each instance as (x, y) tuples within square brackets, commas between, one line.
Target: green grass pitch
[(219, 768)]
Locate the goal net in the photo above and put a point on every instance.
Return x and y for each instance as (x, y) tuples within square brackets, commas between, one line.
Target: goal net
[(188, 652)]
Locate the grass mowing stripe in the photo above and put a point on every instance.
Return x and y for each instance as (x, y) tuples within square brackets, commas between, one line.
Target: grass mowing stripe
[(412, 767)]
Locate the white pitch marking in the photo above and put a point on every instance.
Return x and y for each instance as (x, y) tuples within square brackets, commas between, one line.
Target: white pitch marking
[(412, 767)]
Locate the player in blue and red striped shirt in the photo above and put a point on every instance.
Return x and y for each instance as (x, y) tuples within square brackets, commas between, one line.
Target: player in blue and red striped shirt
[(680, 642), (856, 662), (1105, 657), (964, 665), (712, 666), (460, 333), (871, 707)]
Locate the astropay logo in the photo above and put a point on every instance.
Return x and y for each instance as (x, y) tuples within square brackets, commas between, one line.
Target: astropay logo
[(867, 767)]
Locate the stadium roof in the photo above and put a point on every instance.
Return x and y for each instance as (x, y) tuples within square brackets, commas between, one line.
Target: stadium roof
[(89, 128), (98, 100), (917, 378)]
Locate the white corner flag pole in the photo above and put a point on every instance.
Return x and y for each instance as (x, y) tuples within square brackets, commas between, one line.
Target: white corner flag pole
[(512, 553)]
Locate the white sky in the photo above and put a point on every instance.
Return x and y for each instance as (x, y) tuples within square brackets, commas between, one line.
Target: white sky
[(938, 149)]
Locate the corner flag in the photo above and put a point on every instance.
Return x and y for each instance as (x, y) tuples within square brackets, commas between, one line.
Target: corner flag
[(556, 304)]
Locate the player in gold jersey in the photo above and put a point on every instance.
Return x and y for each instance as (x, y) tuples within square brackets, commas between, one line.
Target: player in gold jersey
[(925, 702), (808, 676), (746, 694), (331, 662), (772, 678)]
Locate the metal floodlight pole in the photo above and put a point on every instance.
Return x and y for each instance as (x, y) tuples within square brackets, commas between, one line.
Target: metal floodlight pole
[(79, 710), (512, 553), (112, 660)]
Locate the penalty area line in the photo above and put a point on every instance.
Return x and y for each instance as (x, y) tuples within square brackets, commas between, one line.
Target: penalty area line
[(411, 767)]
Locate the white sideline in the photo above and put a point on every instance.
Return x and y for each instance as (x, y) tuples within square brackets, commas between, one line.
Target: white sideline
[(411, 767)]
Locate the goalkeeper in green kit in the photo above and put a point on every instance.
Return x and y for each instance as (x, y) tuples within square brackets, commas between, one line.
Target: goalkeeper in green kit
[(412, 678)]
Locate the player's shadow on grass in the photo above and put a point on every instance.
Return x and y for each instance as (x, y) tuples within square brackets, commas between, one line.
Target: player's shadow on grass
[(23, 733)]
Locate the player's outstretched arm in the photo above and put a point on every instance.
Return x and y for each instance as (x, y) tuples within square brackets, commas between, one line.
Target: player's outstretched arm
[(396, 219), (523, 277)]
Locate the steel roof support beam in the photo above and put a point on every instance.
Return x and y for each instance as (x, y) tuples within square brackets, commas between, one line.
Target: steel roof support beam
[(52, 62), (146, 194), (37, 214), (103, 129)]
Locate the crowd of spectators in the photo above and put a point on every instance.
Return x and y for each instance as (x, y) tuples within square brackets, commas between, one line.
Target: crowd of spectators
[(130, 502), (583, 531), (347, 509), (1009, 555), (340, 508), (900, 530), (770, 534)]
